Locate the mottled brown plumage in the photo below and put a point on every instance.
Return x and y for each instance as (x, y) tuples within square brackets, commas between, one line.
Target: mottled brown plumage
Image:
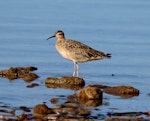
[(76, 51)]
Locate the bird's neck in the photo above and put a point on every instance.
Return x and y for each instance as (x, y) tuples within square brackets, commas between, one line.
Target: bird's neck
[(60, 39)]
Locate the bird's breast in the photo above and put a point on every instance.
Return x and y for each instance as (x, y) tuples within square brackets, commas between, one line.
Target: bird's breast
[(61, 48)]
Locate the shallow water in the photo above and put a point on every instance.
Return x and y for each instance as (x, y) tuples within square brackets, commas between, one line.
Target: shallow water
[(117, 27)]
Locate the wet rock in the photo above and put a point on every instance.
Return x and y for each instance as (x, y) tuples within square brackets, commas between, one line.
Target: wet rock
[(148, 113), (24, 108), (133, 114), (69, 118), (83, 111), (70, 82), (31, 68), (41, 109), (10, 119), (93, 103), (54, 100), (22, 117), (70, 96), (61, 111), (65, 80), (70, 105), (57, 106), (19, 72), (52, 117), (32, 85), (123, 91), (125, 119), (90, 93), (71, 109), (30, 77)]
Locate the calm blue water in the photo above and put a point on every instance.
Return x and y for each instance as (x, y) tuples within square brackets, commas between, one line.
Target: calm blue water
[(118, 27)]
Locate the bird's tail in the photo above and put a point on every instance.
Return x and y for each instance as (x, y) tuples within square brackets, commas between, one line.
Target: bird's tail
[(107, 55)]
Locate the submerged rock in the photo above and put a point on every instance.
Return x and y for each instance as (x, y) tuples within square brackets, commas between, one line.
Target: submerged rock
[(19, 72), (74, 83)]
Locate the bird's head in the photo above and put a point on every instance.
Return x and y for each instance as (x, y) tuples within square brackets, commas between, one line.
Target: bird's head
[(58, 34)]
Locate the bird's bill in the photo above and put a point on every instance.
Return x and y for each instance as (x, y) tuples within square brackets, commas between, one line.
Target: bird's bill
[(51, 37)]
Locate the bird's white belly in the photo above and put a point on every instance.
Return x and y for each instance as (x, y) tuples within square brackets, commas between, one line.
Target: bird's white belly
[(65, 53)]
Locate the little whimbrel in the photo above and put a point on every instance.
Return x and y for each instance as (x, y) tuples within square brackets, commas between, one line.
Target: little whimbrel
[(76, 51)]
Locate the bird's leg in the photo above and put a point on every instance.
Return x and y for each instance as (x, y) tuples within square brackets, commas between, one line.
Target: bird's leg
[(76, 68)]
